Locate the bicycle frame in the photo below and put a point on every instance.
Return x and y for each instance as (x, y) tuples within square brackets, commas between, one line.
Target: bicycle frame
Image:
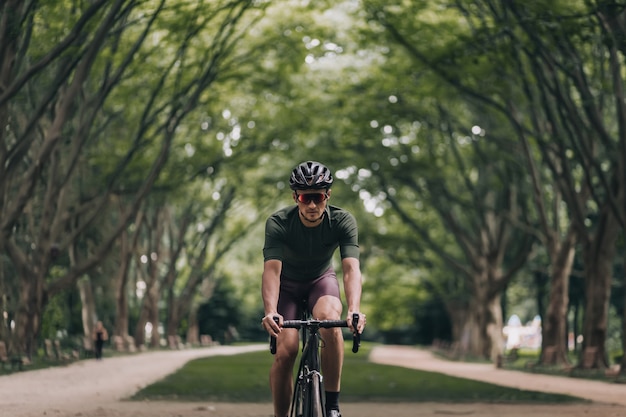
[(308, 396)]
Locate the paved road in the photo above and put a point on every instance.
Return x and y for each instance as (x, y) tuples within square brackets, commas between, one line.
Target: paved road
[(95, 382), (96, 385), (602, 392)]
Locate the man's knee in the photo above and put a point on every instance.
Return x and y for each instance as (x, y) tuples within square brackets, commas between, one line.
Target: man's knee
[(287, 348), (286, 355), (327, 307), (332, 336)]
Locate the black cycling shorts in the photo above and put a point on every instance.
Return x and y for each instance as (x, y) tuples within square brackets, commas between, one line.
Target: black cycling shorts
[(292, 293)]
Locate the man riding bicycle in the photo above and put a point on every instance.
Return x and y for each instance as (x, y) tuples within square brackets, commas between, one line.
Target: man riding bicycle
[(299, 245)]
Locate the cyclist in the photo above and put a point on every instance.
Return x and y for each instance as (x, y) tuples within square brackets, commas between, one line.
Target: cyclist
[(299, 244)]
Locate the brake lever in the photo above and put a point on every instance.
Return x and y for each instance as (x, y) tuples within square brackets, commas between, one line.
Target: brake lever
[(273, 340), (356, 336)]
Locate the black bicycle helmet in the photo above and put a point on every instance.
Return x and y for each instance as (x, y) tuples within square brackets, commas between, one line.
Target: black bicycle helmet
[(310, 175)]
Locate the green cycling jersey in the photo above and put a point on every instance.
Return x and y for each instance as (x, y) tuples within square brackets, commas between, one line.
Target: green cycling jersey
[(306, 252)]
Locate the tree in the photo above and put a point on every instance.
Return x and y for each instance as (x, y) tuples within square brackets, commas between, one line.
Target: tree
[(477, 196), (219, 315), (70, 147), (537, 65)]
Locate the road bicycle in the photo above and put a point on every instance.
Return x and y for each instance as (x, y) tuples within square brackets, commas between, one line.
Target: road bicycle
[(308, 394)]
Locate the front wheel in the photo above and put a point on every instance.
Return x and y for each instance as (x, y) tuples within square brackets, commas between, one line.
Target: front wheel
[(307, 396), (315, 400)]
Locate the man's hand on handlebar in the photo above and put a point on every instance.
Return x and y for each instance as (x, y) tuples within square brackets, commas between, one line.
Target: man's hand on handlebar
[(272, 323), (360, 324)]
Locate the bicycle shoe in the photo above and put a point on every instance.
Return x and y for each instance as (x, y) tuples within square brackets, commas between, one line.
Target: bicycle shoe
[(333, 413)]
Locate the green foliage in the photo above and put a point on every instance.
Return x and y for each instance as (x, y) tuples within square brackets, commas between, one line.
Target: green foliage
[(521, 296), (244, 378), (391, 285), (62, 316), (54, 317), (218, 316), (387, 93)]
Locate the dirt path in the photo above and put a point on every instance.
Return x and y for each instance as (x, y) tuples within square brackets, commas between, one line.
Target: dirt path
[(91, 384), (97, 389), (596, 391)]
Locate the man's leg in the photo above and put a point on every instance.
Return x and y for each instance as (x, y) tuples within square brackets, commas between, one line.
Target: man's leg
[(329, 308), (281, 373)]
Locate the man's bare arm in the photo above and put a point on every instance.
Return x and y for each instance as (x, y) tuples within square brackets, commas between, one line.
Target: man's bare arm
[(270, 288), (352, 284)]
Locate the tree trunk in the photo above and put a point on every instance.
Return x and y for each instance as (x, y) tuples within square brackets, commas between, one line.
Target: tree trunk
[(5, 331), (178, 307), (622, 368), (193, 331), (470, 343), (554, 323), (599, 253), (155, 336), (127, 247), (489, 314), (140, 327), (540, 281), (149, 314), (121, 304), (457, 312), (173, 314), (28, 315), (88, 310), (477, 330)]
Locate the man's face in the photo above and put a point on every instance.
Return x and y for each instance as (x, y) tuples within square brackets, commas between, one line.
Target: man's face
[(311, 203)]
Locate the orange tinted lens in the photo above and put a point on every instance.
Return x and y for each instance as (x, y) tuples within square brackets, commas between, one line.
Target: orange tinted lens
[(314, 197)]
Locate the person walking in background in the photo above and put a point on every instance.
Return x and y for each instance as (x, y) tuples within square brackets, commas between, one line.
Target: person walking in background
[(100, 335), (300, 241)]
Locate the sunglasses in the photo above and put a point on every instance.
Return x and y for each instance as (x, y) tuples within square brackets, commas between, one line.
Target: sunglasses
[(317, 198)]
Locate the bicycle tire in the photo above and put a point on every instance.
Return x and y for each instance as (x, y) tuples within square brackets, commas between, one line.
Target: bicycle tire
[(315, 405), (315, 400), (308, 396)]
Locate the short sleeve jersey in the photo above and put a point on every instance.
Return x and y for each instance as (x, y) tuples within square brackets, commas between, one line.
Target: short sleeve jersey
[(306, 252)]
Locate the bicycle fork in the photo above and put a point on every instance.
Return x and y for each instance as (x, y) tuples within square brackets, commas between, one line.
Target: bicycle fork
[(310, 401)]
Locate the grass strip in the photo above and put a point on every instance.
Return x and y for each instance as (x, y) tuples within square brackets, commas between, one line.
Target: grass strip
[(244, 378)]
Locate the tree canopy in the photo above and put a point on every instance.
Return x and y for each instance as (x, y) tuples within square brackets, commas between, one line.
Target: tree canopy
[(478, 143)]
